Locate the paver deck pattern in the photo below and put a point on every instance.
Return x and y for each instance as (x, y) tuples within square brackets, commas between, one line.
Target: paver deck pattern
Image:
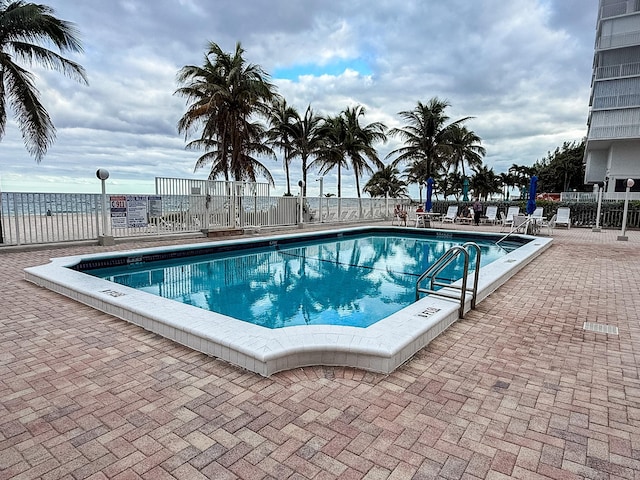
[(515, 390)]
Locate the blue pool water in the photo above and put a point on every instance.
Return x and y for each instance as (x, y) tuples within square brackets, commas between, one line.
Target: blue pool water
[(352, 281)]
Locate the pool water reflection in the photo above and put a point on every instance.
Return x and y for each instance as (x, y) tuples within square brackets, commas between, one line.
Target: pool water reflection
[(354, 281)]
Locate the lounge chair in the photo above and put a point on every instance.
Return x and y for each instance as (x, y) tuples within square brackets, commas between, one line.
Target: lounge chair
[(507, 221), (538, 214), (563, 217), (490, 214), (452, 213)]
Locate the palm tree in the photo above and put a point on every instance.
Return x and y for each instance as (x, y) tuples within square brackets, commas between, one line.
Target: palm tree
[(306, 141), (332, 132), (426, 135), (226, 94), (521, 175), (25, 29), (348, 143), (416, 172), (281, 119), (464, 145), (385, 183), (485, 182), (358, 143), (507, 180)]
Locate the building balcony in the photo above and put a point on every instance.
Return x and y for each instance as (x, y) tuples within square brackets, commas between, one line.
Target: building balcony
[(618, 71), (614, 132), (620, 8), (616, 101), (619, 40)]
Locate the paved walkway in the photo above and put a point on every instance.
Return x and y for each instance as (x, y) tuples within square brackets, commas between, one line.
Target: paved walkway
[(515, 390)]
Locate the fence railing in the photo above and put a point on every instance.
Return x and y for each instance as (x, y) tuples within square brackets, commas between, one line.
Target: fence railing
[(583, 214), (33, 218), (38, 218)]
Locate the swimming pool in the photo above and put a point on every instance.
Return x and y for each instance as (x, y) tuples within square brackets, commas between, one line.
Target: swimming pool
[(352, 280), (381, 346)]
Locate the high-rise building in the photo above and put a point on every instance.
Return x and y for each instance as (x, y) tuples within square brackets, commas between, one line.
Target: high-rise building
[(613, 142)]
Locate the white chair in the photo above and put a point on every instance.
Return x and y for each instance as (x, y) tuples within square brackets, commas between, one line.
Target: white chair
[(538, 214), (563, 217), (549, 224), (507, 221), (491, 214), (451, 214), (520, 223)]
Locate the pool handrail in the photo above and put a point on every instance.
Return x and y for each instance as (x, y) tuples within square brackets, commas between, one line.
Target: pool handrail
[(440, 264)]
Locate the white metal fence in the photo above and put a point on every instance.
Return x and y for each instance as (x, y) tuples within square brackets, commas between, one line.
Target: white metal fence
[(33, 218)]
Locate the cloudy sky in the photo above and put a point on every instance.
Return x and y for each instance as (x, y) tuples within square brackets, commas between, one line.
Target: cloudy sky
[(521, 68)]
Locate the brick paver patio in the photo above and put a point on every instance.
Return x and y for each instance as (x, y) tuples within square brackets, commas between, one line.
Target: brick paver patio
[(515, 390)]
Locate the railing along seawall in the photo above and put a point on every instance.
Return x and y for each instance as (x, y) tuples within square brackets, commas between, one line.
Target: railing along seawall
[(28, 218), (39, 218)]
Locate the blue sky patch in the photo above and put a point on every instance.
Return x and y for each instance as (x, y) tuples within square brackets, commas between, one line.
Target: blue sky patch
[(334, 68)]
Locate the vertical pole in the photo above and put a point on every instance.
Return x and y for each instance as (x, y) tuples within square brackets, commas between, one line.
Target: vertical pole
[(623, 237), (321, 179), (105, 221), (300, 211), (599, 209)]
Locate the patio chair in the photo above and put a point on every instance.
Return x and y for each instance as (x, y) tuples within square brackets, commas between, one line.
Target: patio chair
[(507, 221), (538, 214), (490, 214), (400, 215), (549, 224), (452, 213), (520, 224), (563, 217)]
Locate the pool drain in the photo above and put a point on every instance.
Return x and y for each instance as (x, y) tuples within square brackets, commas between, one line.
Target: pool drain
[(600, 328)]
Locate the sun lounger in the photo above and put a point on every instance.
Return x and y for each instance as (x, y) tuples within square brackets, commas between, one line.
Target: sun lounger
[(490, 214), (563, 217), (507, 221), (451, 214)]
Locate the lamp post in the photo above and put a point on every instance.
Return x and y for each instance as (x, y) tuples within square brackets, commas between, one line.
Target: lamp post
[(623, 237), (105, 238), (597, 227), (321, 180), (300, 202)]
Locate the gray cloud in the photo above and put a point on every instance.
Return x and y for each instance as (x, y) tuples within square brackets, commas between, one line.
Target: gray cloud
[(522, 69)]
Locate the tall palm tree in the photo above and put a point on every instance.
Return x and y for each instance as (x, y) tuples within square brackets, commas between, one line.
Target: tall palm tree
[(226, 95), (332, 132), (485, 182), (416, 172), (507, 180), (464, 146), (349, 143), (359, 142), (306, 141), (26, 31), (521, 176), (281, 120), (386, 183), (425, 136)]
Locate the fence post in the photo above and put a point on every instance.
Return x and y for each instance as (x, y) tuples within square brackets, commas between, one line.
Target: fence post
[(597, 227), (104, 239), (623, 237), (1, 220)]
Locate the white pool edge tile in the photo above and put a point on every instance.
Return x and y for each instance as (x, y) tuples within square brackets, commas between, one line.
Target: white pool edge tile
[(267, 351)]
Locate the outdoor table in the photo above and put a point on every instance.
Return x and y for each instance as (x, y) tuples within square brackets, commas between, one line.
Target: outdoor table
[(426, 217)]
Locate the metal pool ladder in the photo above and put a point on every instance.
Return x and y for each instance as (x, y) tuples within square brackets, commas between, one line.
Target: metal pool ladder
[(432, 272)]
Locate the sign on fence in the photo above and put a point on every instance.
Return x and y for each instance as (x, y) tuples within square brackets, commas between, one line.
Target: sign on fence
[(133, 211)]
